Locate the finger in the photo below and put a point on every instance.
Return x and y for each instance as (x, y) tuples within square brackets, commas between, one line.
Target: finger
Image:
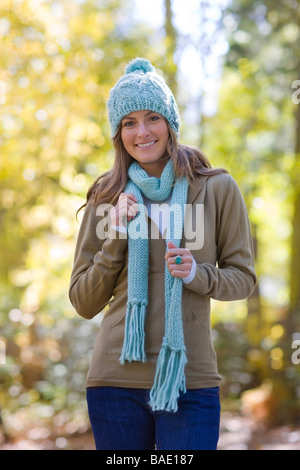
[(128, 196), (173, 252), (179, 270), (184, 259), (126, 204), (180, 274), (132, 209), (187, 266), (132, 205), (171, 245)]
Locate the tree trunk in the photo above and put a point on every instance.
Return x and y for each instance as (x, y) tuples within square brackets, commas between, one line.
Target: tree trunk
[(254, 299), (171, 42), (295, 252)]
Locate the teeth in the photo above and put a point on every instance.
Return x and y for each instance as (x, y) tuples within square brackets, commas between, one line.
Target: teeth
[(146, 145)]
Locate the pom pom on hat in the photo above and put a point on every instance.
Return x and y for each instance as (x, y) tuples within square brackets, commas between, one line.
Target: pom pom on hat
[(141, 88), (139, 65)]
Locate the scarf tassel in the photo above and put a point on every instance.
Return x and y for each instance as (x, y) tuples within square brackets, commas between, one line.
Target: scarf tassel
[(169, 379), (134, 336)]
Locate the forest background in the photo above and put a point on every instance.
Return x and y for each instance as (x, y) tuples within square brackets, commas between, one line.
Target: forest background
[(234, 66)]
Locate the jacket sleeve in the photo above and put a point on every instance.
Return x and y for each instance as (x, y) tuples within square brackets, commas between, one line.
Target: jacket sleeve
[(97, 264), (234, 276)]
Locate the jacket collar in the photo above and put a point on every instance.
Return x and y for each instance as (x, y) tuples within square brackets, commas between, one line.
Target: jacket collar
[(195, 188)]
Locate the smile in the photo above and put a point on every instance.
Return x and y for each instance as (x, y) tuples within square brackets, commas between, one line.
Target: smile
[(148, 144)]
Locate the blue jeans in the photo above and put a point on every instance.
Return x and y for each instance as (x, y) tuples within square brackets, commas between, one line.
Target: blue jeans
[(121, 419)]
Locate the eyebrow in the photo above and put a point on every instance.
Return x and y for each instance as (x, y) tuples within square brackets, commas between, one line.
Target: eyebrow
[(131, 117)]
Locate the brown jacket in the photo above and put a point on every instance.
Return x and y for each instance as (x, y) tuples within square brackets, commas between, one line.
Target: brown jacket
[(225, 271)]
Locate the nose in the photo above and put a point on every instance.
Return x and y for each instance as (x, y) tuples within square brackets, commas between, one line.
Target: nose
[(143, 129)]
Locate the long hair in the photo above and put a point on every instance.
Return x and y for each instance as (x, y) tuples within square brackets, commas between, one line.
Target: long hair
[(188, 161)]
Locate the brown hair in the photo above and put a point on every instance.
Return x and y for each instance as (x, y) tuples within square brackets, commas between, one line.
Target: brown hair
[(188, 161)]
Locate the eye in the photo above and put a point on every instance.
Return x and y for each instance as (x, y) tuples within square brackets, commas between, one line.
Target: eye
[(128, 123), (154, 118)]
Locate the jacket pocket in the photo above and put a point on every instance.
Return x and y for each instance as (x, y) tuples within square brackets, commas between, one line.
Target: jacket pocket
[(200, 307), (116, 335), (196, 321)]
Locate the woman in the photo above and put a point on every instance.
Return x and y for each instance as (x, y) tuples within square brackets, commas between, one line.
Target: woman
[(153, 379)]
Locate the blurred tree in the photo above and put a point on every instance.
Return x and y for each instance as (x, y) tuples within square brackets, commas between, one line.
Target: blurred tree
[(295, 256), (254, 123), (270, 36), (58, 63), (171, 44)]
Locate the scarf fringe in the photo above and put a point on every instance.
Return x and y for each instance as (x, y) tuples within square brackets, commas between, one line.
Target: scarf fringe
[(134, 337), (169, 379)]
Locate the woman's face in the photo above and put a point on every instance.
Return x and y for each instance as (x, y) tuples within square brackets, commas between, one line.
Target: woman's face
[(145, 135)]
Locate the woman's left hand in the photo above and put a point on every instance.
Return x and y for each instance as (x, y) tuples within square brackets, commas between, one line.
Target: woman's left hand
[(184, 268)]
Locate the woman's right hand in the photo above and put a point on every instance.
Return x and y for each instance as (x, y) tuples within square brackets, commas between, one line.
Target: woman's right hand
[(125, 210)]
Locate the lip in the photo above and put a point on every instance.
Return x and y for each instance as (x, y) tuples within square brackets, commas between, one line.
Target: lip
[(145, 145)]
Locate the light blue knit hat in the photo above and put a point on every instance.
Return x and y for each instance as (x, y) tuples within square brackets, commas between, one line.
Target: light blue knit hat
[(141, 88)]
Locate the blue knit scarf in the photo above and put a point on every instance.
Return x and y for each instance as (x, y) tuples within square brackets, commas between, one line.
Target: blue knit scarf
[(169, 378)]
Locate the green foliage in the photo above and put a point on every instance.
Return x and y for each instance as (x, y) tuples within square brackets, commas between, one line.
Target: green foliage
[(255, 135), (58, 63)]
